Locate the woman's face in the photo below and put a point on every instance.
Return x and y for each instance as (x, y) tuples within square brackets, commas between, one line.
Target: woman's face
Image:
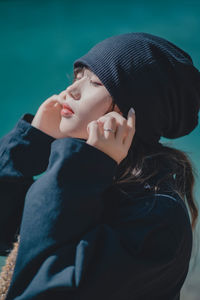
[(89, 99)]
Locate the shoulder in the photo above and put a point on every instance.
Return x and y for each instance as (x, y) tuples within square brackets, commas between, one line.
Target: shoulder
[(156, 220), (171, 209), (170, 218), (161, 205), (166, 209)]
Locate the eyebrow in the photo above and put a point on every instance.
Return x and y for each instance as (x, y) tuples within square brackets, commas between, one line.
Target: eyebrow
[(78, 70), (81, 69)]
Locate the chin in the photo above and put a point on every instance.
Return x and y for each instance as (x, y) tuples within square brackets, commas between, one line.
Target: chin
[(71, 132)]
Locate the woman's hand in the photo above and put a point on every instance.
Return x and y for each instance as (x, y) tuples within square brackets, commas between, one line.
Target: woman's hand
[(116, 144), (48, 116)]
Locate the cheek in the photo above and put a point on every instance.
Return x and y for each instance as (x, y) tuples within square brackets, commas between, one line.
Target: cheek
[(89, 110), (94, 108), (98, 111)]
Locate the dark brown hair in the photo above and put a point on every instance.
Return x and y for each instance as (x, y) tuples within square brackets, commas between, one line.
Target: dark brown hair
[(137, 168)]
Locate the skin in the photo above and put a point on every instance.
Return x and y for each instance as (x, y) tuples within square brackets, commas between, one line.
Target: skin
[(93, 111), (89, 99)]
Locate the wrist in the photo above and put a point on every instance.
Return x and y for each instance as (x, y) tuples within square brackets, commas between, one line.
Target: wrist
[(30, 147)]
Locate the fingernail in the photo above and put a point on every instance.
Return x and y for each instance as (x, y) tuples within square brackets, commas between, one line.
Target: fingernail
[(131, 110)]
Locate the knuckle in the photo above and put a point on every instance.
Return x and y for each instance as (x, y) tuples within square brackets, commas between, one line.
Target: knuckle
[(131, 127), (115, 113), (94, 123), (123, 122), (112, 119), (101, 118)]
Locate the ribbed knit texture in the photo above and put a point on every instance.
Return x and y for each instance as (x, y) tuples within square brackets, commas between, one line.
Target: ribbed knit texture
[(154, 76)]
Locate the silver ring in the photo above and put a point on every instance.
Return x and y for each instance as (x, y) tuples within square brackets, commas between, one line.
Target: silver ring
[(109, 129)]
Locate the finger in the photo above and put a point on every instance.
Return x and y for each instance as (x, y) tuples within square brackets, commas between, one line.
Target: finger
[(110, 123), (131, 129), (93, 131), (121, 131), (131, 118), (52, 103), (55, 103), (101, 125), (60, 99), (58, 106), (51, 100), (113, 114)]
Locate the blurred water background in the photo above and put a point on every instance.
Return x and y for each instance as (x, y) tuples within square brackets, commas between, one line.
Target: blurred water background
[(41, 39)]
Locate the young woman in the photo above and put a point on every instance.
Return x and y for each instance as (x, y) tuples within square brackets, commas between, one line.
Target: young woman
[(113, 214)]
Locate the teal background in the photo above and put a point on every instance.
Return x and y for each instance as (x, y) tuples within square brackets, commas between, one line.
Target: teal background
[(41, 39)]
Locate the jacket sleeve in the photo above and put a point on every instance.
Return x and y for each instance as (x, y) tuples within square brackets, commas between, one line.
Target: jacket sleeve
[(66, 251), (24, 152)]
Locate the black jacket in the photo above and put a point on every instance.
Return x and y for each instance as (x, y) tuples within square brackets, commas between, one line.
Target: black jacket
[(81, 237)]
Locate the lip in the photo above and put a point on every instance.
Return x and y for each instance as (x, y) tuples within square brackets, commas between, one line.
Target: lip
[(66, 106), (66, 112)]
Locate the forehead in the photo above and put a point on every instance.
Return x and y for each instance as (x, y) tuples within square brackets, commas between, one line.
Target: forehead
[(84, 70)]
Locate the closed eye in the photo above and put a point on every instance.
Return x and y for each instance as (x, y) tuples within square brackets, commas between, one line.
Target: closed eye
[(95, 83)]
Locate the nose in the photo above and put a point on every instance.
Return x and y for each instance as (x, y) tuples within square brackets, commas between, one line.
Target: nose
[(73, 92)]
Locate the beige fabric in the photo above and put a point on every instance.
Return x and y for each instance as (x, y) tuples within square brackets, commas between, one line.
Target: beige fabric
[(7, 271)]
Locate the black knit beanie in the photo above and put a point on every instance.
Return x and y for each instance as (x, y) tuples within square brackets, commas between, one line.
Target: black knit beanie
[(152, 75)]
